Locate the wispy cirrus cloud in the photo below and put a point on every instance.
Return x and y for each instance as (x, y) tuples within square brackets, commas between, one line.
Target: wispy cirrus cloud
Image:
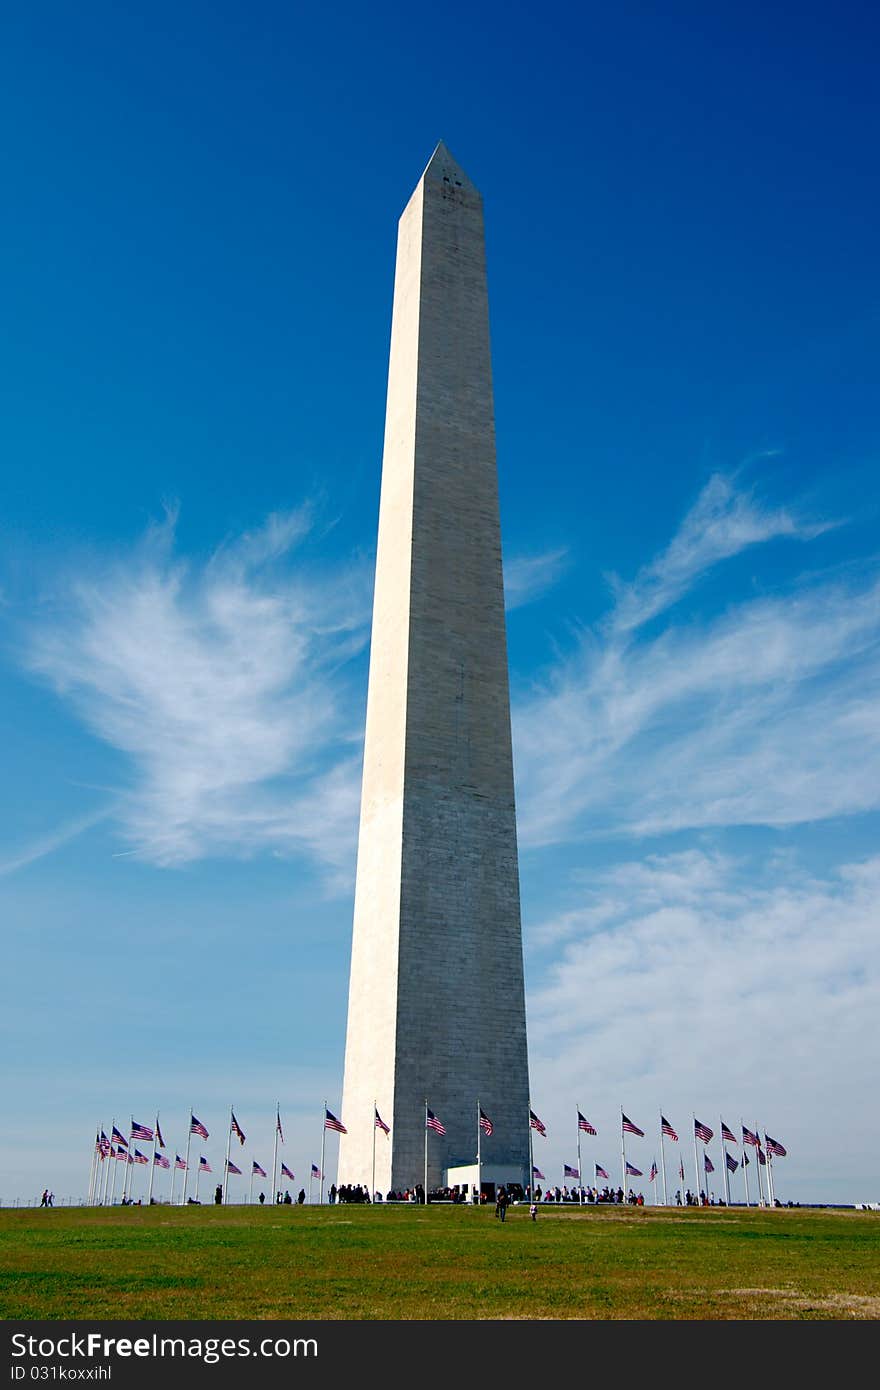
[(527, 577), (722, 523), (220, 683), (764, 713), (42, 845), (711, 981)]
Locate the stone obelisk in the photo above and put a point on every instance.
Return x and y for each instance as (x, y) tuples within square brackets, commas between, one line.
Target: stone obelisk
[(436, 1003)]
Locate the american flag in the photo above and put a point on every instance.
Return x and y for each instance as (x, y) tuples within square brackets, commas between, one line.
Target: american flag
[(486, 1124), (159, 1140), (331, 1122), (119, 1138), (726, 1134), (286, 1173), (536, 1173), (121, 1153), (666, 1128), (708, 1164), (750, 1138), (161, 1161), (231, 1168), (630, 1128), (196, 1127), (702, 1131), (745, 1159), (103, 1145), (236, 1127), (316, 1172), (585, 1125), (257, 1171), (731, 1161), (278, 1125), (681, 1168), (632, 1171), (204, 1166), (537, 1124), (139, 1157), (762, 1158), (380, 1124), (600, 1172), (431, 1122), (654, 1171), (179, 1162), (141, 1131), (112, 1151), (774, 1147), (569, 1172)]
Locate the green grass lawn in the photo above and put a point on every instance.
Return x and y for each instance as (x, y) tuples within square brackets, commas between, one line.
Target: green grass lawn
[(354, 1262)]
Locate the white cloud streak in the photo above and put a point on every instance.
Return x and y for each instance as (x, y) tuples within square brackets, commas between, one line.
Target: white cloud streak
[(528, 577), (221, 686), (54, 839), (709, 982), (763, 714)]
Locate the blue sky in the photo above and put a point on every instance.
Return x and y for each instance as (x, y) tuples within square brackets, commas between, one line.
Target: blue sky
[(197, 261)]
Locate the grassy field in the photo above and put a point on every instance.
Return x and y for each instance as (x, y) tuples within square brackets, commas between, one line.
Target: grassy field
[(444, 1262)]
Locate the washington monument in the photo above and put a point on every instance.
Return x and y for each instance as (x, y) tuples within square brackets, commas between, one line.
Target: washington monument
[(436, 1004)]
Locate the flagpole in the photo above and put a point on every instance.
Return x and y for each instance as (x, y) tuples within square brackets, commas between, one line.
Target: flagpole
[(90, 1201), (696, 1164), (724, 1156), (186, 1169), (663, 1162), (228, 1145), (375, 1127), (129, 1166), (479, 1151), (107, 1171), (745, 1166), (531, 1157), (173, 1179), (153, 1164), (770, 1190), (106, 1181), (275, 1151), (623, 1153), (761, 1201), (113, 1183), (426, 1153), (198, 1175), (580, 1165), (654, 1180), (129, 1174), (251, 1189), (323, 1140)]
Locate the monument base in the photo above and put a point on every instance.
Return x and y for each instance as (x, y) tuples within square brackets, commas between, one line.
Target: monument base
[(490, 1176)]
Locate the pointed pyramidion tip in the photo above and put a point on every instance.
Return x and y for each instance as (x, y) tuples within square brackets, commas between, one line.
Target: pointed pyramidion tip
[(442, 168)]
